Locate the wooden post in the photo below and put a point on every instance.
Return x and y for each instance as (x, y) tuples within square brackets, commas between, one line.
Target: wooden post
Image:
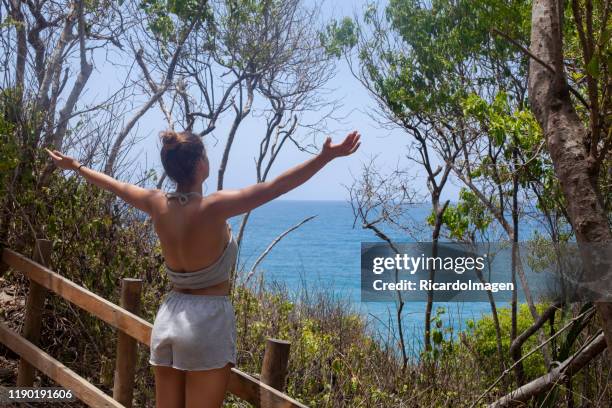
[(274, 366), (125, 366), (33, 316)]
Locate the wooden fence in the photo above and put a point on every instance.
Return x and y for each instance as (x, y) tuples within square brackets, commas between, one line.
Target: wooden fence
[(266, 392)]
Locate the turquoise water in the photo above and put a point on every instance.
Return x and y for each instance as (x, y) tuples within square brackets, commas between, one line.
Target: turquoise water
[(324, 255)]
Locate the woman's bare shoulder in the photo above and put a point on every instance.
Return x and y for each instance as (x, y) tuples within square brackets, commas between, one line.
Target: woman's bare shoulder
[(212, 205), (159, 201)]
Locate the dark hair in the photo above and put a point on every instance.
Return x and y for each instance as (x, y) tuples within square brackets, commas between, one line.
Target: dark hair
[(180, 153)]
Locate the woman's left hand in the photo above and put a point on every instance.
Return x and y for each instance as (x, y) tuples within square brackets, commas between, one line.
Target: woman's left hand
[(63, 161)]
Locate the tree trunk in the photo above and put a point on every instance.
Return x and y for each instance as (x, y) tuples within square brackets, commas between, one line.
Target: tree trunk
[(566, 136), (566, 369), (435, 236)]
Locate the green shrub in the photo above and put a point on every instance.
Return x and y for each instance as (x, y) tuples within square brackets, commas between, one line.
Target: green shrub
[(482, 336)]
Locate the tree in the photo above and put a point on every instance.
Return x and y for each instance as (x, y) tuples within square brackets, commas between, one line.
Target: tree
[(438, 72), (578, 138)]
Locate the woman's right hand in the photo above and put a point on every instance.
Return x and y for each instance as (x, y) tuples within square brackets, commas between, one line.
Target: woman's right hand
[(63, 161), (349, 145)]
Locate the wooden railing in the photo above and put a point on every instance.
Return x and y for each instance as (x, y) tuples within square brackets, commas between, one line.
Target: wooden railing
[(266, 392)]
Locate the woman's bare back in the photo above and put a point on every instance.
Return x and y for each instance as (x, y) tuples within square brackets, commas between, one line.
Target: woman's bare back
[(191, 236)]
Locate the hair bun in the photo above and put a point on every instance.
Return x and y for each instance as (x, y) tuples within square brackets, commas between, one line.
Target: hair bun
[(180, 154), (170, 139)]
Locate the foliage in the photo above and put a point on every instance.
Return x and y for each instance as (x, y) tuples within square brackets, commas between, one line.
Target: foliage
[(481, 336), (466, 218), (442, 338), (8, 149), (423, 75), (164, 15), (510, 129), (339, 37)]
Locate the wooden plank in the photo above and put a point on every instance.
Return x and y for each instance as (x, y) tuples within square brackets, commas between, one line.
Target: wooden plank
[(61, 374), (112, 314), (35, 304), (259, 394)]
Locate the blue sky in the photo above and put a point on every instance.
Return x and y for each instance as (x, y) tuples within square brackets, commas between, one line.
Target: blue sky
[(389, 147)]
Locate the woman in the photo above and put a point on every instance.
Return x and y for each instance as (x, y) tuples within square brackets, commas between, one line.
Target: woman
[(193, 338)]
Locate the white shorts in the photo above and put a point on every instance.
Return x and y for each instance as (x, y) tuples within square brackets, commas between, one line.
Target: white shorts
[(194, 332)]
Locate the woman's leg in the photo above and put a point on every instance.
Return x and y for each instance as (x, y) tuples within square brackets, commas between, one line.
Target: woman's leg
[(206, 389), (169, 387)]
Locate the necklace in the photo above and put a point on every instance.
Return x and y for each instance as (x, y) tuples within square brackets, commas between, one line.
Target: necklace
[(183, 198)]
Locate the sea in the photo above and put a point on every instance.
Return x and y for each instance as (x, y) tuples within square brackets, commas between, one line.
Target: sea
[(323, 256)]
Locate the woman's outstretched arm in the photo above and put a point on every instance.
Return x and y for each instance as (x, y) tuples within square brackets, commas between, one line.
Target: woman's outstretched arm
[(138, 197), (228, 203)]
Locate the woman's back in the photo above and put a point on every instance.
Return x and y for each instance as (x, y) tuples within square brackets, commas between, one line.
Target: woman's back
[(191, 236)]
